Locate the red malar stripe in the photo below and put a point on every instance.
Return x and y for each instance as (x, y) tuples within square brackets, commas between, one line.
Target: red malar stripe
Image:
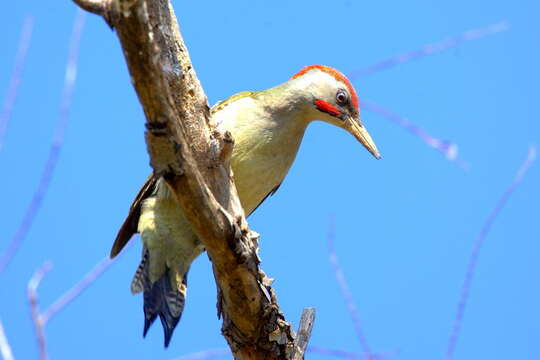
[(327, 107)]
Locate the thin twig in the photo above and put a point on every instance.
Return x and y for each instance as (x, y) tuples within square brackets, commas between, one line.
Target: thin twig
[(206, 354), (16, 76), (304, 333), (32, 288), (447, 148), (471, 267), (429, 49), (345, 290), (56, 146), (348, 355), (97, 7), (5, 349), (41, 319), (77, 289), (319, 350)]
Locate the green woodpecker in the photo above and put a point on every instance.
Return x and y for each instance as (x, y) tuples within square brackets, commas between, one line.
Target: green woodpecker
[(267, 127)]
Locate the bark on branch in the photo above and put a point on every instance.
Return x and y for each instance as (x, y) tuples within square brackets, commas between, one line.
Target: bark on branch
[(193, 158)]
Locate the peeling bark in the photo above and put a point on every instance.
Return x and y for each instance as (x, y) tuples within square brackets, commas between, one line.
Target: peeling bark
[(194, 158)]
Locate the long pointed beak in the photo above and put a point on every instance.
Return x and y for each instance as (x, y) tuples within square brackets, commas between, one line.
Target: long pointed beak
[(361, 134)]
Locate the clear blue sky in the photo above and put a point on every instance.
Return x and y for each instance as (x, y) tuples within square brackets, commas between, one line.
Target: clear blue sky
[(405, 225)]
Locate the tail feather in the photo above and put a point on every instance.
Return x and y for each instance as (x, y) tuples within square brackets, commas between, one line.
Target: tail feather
[(161, 299), (166, 302), (141, 279)]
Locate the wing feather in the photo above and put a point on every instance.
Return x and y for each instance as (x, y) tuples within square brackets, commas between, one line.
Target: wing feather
[(129, 227), (266, 197)]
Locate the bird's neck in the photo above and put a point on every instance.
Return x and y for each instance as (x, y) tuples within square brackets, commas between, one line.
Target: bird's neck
[(287, 106)]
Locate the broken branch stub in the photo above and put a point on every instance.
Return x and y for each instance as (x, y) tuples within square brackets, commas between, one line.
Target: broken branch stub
[(188, 152)]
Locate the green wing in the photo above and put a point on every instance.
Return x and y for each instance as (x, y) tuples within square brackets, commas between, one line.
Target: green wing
[(129, 227), (266, 197), (223, 103)]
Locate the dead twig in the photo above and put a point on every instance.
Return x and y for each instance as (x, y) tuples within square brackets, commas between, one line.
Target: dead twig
[(37, 319), (318, 350), (304, 333), (473, 260), (16, 76), (347, 354), (56, 146), (429, 49), (5, 349), (77, 289), (447, 148), (346, 291), (40, 319)]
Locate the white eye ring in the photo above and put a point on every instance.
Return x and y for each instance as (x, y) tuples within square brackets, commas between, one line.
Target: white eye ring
[(342, 97)]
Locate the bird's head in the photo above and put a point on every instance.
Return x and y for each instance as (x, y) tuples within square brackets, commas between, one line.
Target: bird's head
[(332, 99)]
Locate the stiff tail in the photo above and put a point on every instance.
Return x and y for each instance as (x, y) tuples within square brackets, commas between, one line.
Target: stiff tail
[(160, 299)]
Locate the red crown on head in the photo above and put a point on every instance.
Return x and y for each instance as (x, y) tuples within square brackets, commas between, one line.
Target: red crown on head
[(337, 75)]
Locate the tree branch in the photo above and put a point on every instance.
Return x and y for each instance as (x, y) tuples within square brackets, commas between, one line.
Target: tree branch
[(429, 49), (70, 76), (16, 76), (39, 325), (77, 289), (5, 349), (304, 333), (98, 7), (187, 151), (346, 291), (473, 258)]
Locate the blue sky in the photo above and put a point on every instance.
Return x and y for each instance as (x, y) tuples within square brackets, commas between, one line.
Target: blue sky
[(404, 225)]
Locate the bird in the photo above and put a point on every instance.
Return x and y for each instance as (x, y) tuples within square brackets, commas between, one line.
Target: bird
[(268, 127)]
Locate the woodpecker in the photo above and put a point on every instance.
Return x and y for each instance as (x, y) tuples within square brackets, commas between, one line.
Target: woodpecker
[(267, 127)]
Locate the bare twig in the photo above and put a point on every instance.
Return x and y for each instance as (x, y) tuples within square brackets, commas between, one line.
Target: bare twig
[(98, 7), (447, 148), (347, 354), (319, 350), (206, 354), (41, 319), (5, 349), (429, 49), (346, 291), (304, 333), (471, 266), (32, 288), (77, 289), (56, 146), (16, 76)]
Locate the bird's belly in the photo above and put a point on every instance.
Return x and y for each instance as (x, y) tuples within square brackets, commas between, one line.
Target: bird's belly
[(256, 178)]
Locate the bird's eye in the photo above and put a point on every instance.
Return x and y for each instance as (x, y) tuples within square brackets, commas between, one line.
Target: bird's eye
[(342, 97)]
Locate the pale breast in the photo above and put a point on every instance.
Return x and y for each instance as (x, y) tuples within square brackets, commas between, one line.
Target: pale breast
[(265, 148), (257, 175)]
